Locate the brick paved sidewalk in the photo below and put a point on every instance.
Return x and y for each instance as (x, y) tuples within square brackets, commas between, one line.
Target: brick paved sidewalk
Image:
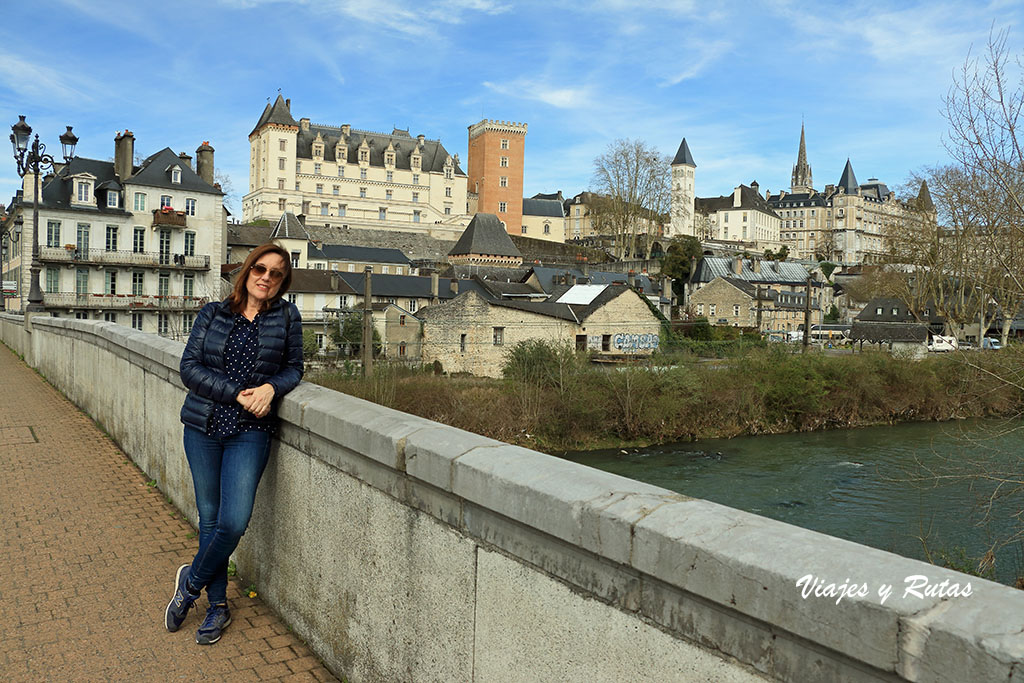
[(88, 554)]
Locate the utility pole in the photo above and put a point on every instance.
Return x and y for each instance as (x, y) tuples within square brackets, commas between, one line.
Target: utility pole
[(367, 325), (758, 309), (807, 316)]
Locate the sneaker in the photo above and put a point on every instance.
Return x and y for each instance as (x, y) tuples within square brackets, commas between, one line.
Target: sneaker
[(218, 618), (181, 601)]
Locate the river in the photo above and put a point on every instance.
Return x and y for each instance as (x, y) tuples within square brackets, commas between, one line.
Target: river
[(874, 485)]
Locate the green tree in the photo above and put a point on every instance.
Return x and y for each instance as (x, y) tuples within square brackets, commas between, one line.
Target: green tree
[(348, 336), (309, 346), (833, 314)]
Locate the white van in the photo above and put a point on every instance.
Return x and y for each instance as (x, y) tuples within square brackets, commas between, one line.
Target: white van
[(941, 344)]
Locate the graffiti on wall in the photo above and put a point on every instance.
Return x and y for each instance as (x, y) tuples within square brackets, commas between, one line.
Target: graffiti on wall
[(633, 343)]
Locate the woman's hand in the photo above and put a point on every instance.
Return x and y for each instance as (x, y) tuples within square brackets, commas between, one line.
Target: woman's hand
[(257, 400)]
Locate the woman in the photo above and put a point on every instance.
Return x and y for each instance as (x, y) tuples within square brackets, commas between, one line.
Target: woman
[(243, 354)]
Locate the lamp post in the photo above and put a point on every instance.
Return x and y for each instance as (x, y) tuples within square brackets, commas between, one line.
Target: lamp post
[(8, 242), (33, 158)]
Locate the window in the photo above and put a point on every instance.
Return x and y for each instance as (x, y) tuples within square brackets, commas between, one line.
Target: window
[(282, 145), (138, 240), (81, 315), (499, 336), (140, 201), (324, 209), (462, 343), (316, 169), (337, 189), (187, 320), (504, 144), (162, 324), (296, 185), (81, 281), (298, 167), (111, 244), (878, 311), (504, 162), (176, 175), (165, 246), (502, 207), (292, 298), (364, 155), (362, 174), (415, 178), (163, 284), (362, 192), (341, 169), (137, 279), (547, 228), (82, 243), (736, 310), (83, 191), (447, 192), (188, 287), (165, 201), (388, 194), (319, 188), (606, 342), (295, 259), (341, 209), (110, 282), (700, 309), (280, 183), (112, 199), (522, 229), (415, 216), (53, 233), (711, 309), (382, 213), (401, 349), (136, 321), (447, 211), (190, 243), (448, 173), (52, 280), (412, 305), (401, 320), (390, 176), (895, 311), (415, 197), (305, 208), (281, 204), (503, 181)]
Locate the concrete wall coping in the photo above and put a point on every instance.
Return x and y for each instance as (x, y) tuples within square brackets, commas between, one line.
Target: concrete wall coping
[(740, 561)]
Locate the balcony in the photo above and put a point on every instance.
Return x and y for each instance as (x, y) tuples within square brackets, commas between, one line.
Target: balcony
[(122, 302), (164, 218), (101, 257)]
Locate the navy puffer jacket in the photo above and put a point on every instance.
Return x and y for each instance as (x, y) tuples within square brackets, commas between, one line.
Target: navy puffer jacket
[(278, 360)]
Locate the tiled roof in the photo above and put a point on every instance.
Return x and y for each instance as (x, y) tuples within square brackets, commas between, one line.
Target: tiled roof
[(543, 207), (248, 235), (314, 280), (485, 236)]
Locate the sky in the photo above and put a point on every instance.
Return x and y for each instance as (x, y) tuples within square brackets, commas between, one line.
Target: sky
[(736, 79)]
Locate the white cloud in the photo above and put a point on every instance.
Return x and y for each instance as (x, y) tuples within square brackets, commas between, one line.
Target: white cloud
[(560, 97), (38, 83), (706, 54)]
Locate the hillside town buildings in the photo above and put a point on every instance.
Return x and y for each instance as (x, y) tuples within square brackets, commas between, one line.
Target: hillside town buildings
[(135, 244)]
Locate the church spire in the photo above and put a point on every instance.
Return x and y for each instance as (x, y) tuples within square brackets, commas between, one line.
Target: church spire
[(802, 181)]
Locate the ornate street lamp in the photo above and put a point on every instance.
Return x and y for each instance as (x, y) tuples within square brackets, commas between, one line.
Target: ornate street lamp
[(32, 157)]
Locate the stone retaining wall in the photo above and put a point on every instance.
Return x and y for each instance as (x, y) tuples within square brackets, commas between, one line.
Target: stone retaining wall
[(402, 549)]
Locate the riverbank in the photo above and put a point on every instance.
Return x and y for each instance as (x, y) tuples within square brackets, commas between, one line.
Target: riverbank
[(553, 400)]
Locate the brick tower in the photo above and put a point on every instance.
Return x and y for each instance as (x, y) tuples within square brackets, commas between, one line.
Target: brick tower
[(496, 152)]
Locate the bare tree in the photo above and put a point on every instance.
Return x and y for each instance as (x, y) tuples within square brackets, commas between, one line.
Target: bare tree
[(634, 182)]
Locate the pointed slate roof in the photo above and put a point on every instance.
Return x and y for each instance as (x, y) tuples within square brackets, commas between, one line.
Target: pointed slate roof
[(683, 155), (802, 170), (485, 236), (924, 198), (848, 181), (289, 227), (278, 112)]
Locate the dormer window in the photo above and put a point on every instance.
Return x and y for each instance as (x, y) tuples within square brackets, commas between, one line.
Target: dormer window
[(364, 156), (389, 159), (112, 199), (175, 175), (84, 190), (416, 161)]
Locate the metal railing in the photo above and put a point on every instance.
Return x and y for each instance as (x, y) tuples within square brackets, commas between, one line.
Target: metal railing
[(122, 301), (123, 258)]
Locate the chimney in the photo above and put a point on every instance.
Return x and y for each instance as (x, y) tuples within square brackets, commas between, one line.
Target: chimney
[(346, 130), (288, 104), (631, 279), (204, 162), (304, 124), (433, 287), (755, 187), (124, 155), (737, 197), (737, 265), (185, 159), (586, 267), (666, 288)]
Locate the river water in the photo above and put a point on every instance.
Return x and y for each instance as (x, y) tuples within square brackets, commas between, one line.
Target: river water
[(875, 485)]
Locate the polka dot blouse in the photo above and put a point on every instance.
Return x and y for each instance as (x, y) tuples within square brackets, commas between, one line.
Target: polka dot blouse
[(229, 419)]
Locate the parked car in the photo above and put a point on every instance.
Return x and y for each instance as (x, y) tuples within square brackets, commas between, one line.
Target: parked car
[(990, 344), (940, 344)]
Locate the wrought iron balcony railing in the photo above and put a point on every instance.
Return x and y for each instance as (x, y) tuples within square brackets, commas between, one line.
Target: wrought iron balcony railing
[(123, 302), (123, 258)]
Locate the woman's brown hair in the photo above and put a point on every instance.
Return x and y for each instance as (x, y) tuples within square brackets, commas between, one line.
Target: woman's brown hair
[(239, 294)]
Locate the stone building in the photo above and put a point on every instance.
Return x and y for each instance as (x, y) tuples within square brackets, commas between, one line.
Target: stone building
[(473, 333), (340, 176), (734, 302), (845, 223), (743, 218), (544, 217), (140, 246), (495, 175), (684, 169)]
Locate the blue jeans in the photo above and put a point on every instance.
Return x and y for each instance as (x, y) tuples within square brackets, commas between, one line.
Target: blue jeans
[(226, 472)]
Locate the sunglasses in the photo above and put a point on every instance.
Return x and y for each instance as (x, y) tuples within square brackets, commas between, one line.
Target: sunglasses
[(259, 270)]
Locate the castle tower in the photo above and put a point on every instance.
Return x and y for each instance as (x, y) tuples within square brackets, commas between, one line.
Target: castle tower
[(802, 181), (495, 170), (683, 170)]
